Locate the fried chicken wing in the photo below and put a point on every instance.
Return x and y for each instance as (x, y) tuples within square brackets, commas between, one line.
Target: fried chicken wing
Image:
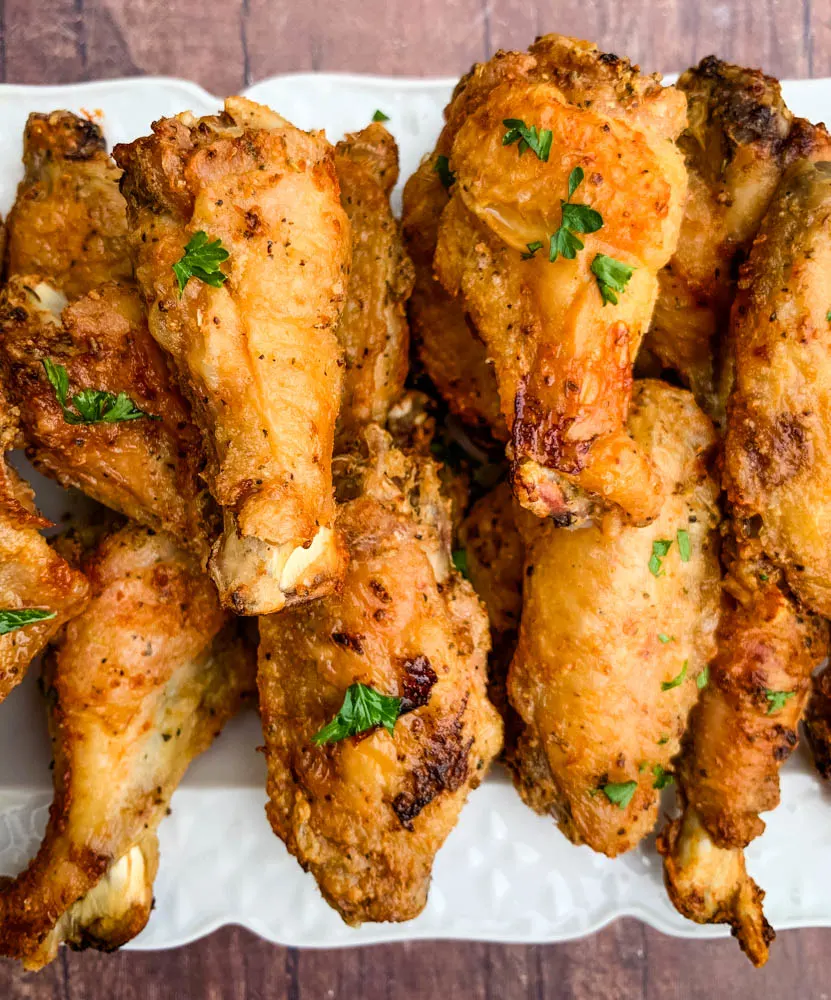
[(138, 686), (618, 626), (254, 346), (372, 331), (562, 348), (367, 814), (743, 728), (818, 723), (734, 147)]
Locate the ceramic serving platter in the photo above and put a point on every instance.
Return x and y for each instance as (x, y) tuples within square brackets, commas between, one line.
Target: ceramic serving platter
[(504, 874)]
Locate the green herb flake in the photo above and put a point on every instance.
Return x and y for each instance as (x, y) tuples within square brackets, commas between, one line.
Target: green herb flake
[(532, 249), (379, 116), (664, 638), (528, 137), (12, 619), (676, 681), (764, 577), (662, 778), (575, 219), (777, 700), (663, 741), (442, 168), (684, 548), (363, 708), (612, 277), (828, 316), (201, 260), (93, 406), (460, 561), (703, 679), (620, 794), (660, 547)]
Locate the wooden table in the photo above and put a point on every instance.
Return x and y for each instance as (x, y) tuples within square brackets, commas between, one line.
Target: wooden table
[(223, 45)]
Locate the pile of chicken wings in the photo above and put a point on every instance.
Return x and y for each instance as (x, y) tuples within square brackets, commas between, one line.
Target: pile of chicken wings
[(581, 523)]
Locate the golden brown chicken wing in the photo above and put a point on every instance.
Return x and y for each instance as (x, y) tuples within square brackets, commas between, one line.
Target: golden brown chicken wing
[(372, 331), (543, 156), (734, 147), (367, 814), (618, 626), (818, 722), (246, 208), (138, 686)]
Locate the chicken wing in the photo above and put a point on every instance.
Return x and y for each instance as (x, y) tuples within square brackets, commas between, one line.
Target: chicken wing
[(138, 686), (368, 814), (254, 345), (372, 331), (734, 147), (71, 300), (818, 723), (562, 329), (618, 626)]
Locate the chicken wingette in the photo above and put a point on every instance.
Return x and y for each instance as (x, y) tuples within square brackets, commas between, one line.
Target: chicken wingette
[(571, 142), (366, 808), (137, 686), (618, 626), (71, 303), (242, 253)]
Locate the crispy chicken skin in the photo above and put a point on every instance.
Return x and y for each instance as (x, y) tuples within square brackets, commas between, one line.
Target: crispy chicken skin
[(563, 359), (148, 468), (138, 686), (742, 730), (367, 815), (372, 331), (734, 147), (68, 224), (604, 698), (778, 444), (257, 357), (818, 723)]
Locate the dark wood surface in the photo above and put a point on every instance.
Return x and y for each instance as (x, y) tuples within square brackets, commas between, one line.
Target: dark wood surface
[(224, 44)]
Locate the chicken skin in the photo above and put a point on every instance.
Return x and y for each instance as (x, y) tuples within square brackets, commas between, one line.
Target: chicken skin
[(138, 686), (618, 626), (253, 341), (734, 146), (742, 730), (603, 163), (372, 331), (367, 814), (70, 300)]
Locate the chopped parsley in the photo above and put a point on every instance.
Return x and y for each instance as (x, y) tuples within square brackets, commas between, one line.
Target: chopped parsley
[(201, 260), (612, 277), (777, 699), (663, 740), (363, 708), (532, 249), (703, 679), (684, 549), (460, 561), (662, 777), (575, 219), (93, 406), (677, 680), (764, 577), (442, 168), (13, 619), (660, 547), (529, 137), (620, 794), (664, 638), (828, 316), (379, 116)]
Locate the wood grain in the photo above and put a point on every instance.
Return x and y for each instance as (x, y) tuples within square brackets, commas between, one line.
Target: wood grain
[(224, 45)]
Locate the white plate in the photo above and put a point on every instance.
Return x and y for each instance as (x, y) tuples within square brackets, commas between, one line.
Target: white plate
[(504, 874)]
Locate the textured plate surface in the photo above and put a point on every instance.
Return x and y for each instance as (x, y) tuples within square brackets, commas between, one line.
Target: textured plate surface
[(504, 873)]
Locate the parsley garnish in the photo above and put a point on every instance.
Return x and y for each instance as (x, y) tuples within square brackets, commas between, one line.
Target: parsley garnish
[(663, 637), (676, 681), (663, 740), (683, 544), (703, 678), (612, 277), (532, 249), (539, 141), (660, 547), (13, 619), (620, 794), (442, 168), (777, 699), (828, 316), (460, 561), (363, 708), (94, 406), (575, 219), (201, 260), (379, 116), (764, 577), (662, 777)]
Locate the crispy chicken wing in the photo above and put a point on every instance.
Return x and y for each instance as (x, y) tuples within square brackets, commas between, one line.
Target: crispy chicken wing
[(368, 814), (255, 349), (818, 722), (373, 330), (618, 625), (734, 147), (562, 348), (138, 686)]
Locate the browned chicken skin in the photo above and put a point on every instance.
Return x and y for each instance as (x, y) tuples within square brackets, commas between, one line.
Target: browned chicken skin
[(138, 686), (612, 646), (367, 815), (257, 356)]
